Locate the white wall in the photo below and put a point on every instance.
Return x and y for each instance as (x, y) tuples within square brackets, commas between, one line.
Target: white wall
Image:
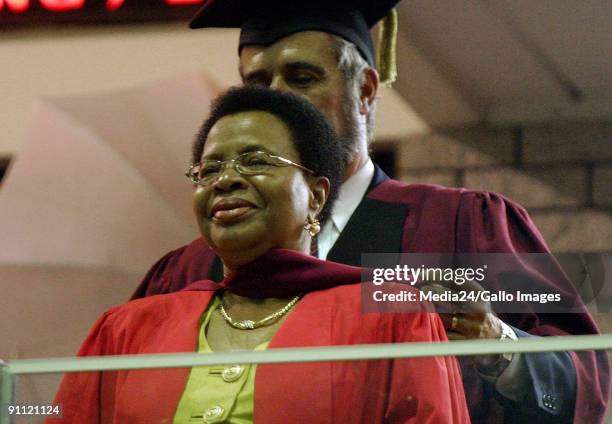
[(84, 60), (54, 62)]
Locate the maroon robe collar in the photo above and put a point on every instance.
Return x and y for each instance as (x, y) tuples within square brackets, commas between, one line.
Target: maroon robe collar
[(283, 273)]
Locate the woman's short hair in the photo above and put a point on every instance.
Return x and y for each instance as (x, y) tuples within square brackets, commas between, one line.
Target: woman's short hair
[(313, 137)]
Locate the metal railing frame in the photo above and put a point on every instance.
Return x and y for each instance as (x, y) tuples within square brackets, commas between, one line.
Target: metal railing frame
[(10, 370)]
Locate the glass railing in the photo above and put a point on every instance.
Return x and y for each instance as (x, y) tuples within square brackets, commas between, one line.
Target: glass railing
[(357, 383), (552, 379)]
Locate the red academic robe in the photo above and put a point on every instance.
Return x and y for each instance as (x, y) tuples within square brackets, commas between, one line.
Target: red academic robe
[(420, 390), (420, 218)]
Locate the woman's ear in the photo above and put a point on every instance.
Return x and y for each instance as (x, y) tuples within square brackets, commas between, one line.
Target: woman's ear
[(319, 191), (368, 90)]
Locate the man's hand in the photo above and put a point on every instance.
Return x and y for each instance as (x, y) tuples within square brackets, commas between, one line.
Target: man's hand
[(467, 320)]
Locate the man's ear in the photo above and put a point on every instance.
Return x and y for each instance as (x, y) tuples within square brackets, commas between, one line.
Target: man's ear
[(368, 90), (319, 191)]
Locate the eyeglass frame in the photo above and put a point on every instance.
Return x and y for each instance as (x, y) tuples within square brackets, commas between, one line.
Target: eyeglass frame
[(223, 163)]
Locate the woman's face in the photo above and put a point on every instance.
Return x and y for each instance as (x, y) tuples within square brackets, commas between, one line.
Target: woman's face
[(242, 217)]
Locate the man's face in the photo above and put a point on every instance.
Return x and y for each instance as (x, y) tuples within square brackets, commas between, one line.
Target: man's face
[(305, 64)]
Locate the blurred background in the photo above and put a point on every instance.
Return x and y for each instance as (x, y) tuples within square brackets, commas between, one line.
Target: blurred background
[(100, 100)]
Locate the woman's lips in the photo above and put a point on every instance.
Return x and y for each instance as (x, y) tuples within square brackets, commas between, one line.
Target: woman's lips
[(229, 211), (225, 214)]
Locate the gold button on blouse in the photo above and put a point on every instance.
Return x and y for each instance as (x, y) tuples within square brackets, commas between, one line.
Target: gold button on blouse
[(232, 373), (212, 413)]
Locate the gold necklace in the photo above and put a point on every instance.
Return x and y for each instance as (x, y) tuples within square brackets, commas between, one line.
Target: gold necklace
[(248, 324)]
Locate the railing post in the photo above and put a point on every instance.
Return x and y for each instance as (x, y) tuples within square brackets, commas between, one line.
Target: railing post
[(7, 392)]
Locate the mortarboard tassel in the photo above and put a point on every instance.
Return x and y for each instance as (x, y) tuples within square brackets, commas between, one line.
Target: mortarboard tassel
[(387, 39)]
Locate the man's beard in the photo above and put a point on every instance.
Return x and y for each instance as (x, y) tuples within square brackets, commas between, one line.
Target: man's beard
[(348, 134)]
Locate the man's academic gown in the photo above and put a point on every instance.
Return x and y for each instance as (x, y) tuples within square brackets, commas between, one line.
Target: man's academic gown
[(422, 218), (420, 390)]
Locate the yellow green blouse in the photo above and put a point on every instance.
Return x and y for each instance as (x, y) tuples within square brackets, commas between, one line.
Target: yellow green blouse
[(216, 394)]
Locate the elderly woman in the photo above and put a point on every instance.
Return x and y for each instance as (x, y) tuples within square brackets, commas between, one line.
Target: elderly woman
[(264, 168)]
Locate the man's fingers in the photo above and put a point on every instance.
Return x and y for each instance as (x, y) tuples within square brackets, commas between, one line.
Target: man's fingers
[(452, 322), (468, 325), (453, 335)]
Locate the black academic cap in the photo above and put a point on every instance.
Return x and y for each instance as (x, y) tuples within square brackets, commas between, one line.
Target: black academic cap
[(266, 21)]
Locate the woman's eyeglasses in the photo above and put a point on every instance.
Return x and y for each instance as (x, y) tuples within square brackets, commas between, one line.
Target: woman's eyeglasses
[(249, 163)]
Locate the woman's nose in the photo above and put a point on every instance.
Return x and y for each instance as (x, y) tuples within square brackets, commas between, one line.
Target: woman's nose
[(229, 179)]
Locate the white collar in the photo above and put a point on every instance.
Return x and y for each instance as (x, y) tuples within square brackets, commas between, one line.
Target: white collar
[(350, 195)]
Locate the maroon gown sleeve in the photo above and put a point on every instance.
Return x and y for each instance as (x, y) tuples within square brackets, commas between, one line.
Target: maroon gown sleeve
[(177, 269), (490, 223)]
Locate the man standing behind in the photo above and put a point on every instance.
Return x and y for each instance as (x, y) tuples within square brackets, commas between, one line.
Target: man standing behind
[(323, 51)]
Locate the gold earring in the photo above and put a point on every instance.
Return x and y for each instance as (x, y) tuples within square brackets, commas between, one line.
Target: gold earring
[(313, 226)]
